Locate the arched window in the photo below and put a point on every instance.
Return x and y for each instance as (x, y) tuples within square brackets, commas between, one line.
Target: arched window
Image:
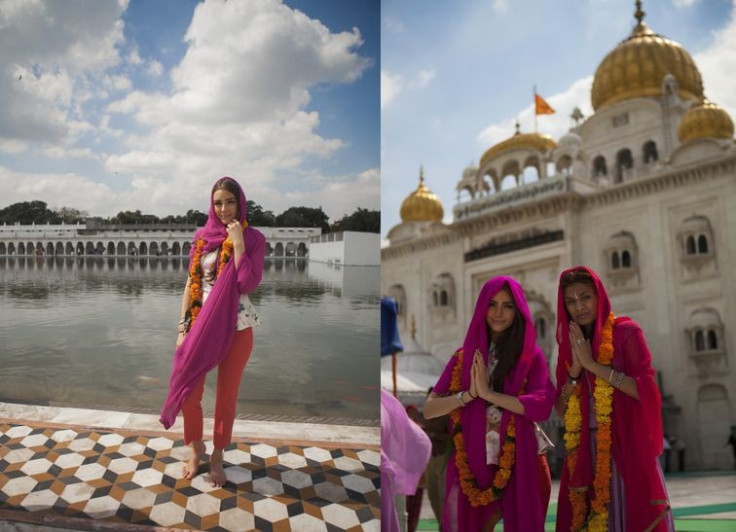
[(626, 259), (541, 327), (599, 166), (443, 298), (435, 298), (712, 339), (702, 244), (614, 260), (699, 341), (650, 152), (624, 162), (691, 245)]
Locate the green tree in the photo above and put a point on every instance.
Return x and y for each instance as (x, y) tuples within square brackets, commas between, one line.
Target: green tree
[(257, 217), (361, 220), (303, 217), (70, 215), (28, 212)]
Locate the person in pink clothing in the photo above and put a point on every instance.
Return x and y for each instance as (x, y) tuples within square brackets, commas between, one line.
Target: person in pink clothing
[(494, 388), (216, 325), (606, 393)]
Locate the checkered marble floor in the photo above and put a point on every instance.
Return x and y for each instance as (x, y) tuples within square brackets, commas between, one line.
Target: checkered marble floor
[(118, 477)]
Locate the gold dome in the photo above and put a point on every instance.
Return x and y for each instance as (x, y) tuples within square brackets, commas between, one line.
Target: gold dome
[(529, 141), (705, 121), (637, 66), (422, 205)]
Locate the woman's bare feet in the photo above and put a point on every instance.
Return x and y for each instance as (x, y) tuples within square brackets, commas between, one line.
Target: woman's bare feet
[(217, 473), (189, 471)]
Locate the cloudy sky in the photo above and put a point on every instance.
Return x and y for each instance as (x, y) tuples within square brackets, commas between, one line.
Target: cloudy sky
[(111, 105), (455, 76)]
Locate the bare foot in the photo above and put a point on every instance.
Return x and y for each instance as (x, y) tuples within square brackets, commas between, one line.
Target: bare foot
[(189, 471), (217, 473)]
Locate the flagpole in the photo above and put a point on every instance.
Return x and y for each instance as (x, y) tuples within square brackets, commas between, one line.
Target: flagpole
[(534, 99)]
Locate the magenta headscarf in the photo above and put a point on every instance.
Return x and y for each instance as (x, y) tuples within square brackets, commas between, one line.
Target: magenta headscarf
[(636, 424), (473, 416), (209, 339)]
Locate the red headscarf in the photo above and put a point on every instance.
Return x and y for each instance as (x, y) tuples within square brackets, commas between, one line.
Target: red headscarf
[(636, 423)]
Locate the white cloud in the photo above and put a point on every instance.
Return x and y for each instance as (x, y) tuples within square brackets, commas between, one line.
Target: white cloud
[(500, 5), (717, 64), (424, 78), (155, 68), (391, 87), (680, 4)]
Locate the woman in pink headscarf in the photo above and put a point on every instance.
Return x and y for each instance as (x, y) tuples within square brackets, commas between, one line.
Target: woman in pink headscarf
[(216, 325), (606, 393), (495, 387)]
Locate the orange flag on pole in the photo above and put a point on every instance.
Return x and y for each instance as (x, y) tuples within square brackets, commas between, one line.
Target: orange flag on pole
[(541, 107)]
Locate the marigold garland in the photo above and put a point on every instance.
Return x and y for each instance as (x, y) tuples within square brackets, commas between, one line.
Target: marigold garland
[(475, 495), (195, 276), (597, 519)]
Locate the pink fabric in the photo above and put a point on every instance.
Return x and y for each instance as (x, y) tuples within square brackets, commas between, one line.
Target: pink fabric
[(636, 424), (405, 451), (521, 504), (209, 339)]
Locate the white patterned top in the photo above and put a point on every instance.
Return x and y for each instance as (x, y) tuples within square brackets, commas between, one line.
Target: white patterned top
[(247, 315)]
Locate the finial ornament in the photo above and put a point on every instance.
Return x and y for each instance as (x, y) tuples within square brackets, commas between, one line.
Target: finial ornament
[(518, 128), (421, 174), (639, 14), (413, 327)]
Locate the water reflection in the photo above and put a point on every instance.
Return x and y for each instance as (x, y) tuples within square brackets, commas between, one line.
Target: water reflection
[(99, 332)]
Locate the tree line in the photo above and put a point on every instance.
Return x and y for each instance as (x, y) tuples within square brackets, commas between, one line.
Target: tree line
[(28, 212)]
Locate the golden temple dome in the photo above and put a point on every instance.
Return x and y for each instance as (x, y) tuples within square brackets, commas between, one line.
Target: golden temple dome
[(637, 66), (422, 205), (705, 121), (529, 141)]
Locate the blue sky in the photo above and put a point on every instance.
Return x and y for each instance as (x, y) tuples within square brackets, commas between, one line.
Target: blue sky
[(455, 76), (113, 104)]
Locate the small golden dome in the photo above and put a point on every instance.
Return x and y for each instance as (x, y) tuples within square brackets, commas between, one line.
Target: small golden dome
[(637, 66), (422, 205), (705, 121), (529, 141)]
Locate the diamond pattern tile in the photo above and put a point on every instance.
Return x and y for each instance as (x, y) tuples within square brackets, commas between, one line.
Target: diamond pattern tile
[(118, 478)]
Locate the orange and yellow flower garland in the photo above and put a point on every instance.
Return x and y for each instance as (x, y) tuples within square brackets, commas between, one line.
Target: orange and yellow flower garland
[(597, 519), (195, 275), (475, 495)]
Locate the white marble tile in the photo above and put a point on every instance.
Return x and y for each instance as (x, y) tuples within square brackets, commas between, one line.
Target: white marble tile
[(203, 504), (370, 457), (238, 520), (77, 492), (270, 509), (358, 483), (168, 514), (64, 435), (81, 444), (39, 500), (89, 472), (33, 467), (349, 464), (19, 431), (238, 475), (340, 516), (331, 492), (317, 454), (138, 499), (307, 523), (147, 477), (69, 460), (296, 479), (18, 455), (293, 461), (110, 440), (34, 440), (16, 486), (160, 444), (122, 465), (101, 507), (267, 486), (263, 450), (237, 457), (131, 449), (91, 418)]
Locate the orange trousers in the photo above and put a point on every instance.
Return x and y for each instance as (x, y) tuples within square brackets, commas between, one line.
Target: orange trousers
[(229, 373)]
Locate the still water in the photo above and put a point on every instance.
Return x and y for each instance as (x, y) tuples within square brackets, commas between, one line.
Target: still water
[(100, 333)]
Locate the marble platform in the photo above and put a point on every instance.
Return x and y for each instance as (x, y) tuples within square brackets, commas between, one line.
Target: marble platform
[(94, 470)]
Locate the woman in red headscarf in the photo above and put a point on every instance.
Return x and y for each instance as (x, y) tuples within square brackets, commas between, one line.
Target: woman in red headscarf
[(495, 387), (607, 396), (216, 325)]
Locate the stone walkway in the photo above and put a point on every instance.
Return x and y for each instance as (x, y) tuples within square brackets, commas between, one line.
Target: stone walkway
[(82, 476)]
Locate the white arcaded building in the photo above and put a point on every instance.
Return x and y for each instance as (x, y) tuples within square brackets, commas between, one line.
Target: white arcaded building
[(643, 191)]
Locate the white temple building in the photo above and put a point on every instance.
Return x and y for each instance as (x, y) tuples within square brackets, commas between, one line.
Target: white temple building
[(643, 191)]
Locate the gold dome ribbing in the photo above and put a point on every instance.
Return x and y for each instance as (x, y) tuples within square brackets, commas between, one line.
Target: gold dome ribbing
[(705, 121), (531, 141), (637, 66), (422, 205)]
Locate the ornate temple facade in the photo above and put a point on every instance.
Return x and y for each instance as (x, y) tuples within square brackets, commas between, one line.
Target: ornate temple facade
[(643, 191)]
